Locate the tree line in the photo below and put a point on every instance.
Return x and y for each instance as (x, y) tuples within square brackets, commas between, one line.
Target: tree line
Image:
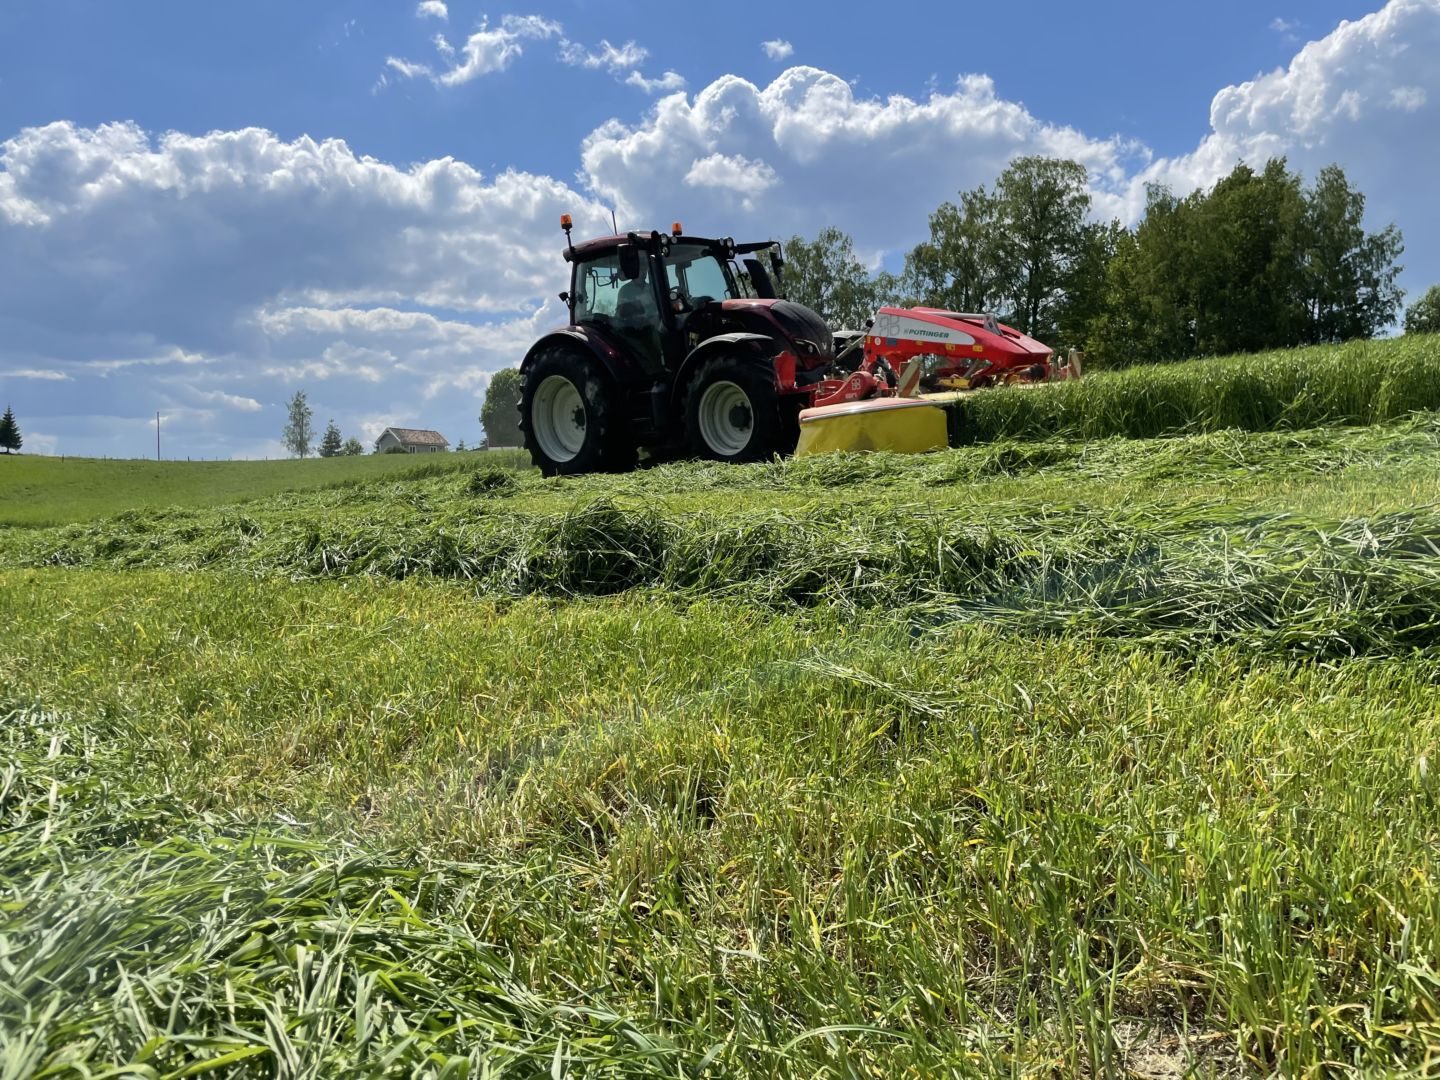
[(300, 432), (1259, 261)]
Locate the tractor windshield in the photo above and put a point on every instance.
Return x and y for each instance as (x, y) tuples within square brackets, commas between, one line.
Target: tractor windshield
[(700, 275)]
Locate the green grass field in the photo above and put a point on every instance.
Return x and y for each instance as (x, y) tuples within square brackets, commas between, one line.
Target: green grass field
[(37, 491), (1059, 757)]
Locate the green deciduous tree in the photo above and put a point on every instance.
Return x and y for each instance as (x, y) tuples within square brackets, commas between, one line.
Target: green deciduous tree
[(353, 447), (9, 431), (299, 431), (1043, 205), (331, 444), (1257, 262), (1423, 317), (963, 266), (1349, 274), (825, 275), (500, 414)]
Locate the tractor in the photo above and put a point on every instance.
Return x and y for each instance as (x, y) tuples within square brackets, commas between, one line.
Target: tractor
[(677, 346), (680, 345)]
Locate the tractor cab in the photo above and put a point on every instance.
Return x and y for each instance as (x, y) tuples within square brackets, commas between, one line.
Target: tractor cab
[(655, 292)]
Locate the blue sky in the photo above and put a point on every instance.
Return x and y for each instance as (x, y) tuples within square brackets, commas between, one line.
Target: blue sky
[(204, 207)]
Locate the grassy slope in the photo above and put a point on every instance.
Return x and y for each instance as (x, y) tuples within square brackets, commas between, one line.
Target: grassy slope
[(817, 825), (37, 491)]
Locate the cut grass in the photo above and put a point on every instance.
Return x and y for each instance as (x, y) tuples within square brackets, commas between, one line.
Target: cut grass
[(1185, 574), (39, 491), (810, 843), (1037, 758)]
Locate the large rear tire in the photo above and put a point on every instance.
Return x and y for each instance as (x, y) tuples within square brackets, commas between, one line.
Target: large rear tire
[(570, 416), (733, 413)]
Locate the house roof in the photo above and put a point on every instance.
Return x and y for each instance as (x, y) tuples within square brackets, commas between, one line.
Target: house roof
[(417, 436)]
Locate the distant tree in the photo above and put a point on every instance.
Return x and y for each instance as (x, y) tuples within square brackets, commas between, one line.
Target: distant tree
[(460, 446), (9, 431), (298, 427), (1422, 318), (331, 444), (825, 275), (1257, 262), (353, 447), (1043, 205), (1349, 275), (963, 266), (500, 414)]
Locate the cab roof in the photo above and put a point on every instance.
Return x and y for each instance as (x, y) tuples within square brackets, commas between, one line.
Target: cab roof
[(600, 245)]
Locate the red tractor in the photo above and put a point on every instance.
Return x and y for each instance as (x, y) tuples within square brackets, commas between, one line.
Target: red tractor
[(683, 345), (675, 344)]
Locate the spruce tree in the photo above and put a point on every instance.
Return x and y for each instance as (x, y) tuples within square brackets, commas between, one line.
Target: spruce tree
[(9, 431), (331, 443)]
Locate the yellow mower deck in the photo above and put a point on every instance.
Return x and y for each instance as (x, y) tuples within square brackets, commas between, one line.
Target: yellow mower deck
[(900, 425)]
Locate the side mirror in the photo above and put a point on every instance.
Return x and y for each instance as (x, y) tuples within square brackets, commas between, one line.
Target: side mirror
[(629, 262), (564, 297)]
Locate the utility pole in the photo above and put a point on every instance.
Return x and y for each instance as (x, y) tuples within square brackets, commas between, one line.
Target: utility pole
[(157, 434)]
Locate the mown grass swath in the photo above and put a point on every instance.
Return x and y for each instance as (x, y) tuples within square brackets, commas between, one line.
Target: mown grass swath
[(1185, 579)]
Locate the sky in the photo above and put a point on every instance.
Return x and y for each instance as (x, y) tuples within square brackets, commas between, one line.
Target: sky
[(207, 207)]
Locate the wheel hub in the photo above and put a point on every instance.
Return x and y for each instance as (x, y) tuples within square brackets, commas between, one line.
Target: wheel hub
[(726, 418), (557, 418)]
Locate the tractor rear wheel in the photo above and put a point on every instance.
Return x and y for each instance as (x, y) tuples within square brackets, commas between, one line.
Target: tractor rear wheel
[(569, 413), (732, 412)]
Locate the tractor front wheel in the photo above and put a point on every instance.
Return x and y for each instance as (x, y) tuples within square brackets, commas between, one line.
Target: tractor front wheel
[(733, 413), (569, 414)]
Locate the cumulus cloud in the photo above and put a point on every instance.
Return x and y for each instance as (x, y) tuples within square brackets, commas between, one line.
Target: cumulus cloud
[(486, 51), (434, 9), (821, 155), (778, 49), (665, 84)]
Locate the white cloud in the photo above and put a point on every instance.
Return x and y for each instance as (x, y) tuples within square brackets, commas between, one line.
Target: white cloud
[(665, 84), (732, 172), (406, 68), (778, 49), (1284, 26), (36, 373), (210, 270), (823, 156), (486, 51), (237, 402), (610, 57), (38, 443), (1408, 98), (434, 9)]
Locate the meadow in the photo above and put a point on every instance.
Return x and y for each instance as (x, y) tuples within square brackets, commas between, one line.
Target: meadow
[(1047, 756), (38, 491)]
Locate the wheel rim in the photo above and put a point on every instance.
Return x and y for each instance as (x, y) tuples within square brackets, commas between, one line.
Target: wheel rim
[(558, 417), (727, 419)]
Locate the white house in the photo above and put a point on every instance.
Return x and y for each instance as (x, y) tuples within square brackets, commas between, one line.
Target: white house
[(412, 441)]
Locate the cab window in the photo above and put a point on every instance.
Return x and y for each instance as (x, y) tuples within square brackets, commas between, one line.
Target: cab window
[(597, 285), (699, 275)]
